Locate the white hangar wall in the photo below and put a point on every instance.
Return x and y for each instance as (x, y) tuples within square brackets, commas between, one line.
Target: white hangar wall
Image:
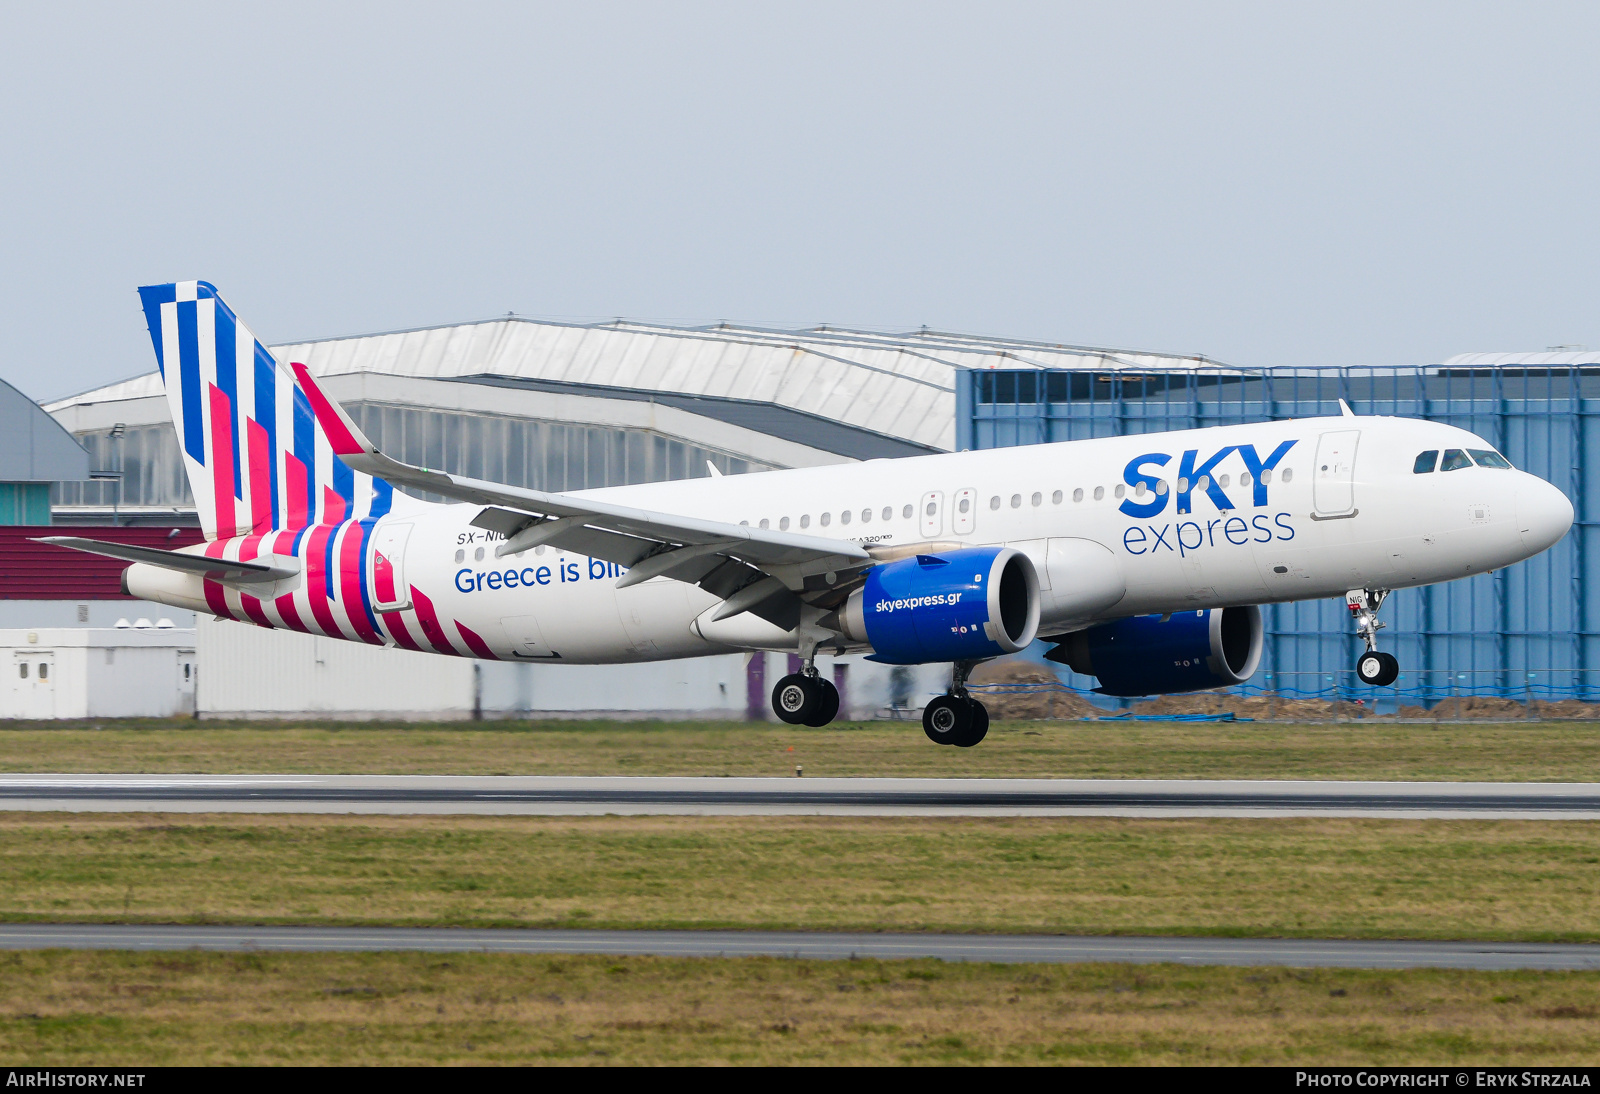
[(250, 672)]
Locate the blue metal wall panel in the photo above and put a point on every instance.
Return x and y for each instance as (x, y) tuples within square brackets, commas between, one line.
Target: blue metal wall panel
[(1524, 632)]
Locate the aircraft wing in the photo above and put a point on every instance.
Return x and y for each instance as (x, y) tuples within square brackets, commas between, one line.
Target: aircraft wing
[(752, 569)]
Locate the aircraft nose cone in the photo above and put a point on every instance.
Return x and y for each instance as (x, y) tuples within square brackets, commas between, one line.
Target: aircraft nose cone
[(1544, 514)]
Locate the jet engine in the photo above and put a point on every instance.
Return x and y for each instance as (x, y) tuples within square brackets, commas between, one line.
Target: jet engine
[(1161, 654), (961, 605)]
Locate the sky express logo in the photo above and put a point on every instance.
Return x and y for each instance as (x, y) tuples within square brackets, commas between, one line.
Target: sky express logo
[(1196, 474), (1202, 475)]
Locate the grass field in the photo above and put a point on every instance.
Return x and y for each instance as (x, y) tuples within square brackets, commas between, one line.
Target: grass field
[(1557, 751), (1525, 880), (192, 1008)]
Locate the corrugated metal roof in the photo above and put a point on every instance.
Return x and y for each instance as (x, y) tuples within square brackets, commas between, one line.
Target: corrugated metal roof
[(1547, 359), (896, 385), (33, 446)]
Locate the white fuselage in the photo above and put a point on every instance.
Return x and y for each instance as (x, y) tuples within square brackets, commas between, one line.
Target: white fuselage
[(1340, 509)]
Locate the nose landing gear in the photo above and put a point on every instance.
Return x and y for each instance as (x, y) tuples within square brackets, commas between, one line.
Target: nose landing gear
[(1373, 667), (956, 718)]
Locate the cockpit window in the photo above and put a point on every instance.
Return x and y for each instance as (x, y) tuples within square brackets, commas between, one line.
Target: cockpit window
[(1425, 462), (1486, 457), (1454, 460)]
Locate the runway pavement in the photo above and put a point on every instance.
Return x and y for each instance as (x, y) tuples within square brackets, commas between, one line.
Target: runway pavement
[(573, 795), (1054, 949)]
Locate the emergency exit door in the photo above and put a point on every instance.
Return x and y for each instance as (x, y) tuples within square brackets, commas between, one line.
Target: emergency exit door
[(1334, 474)]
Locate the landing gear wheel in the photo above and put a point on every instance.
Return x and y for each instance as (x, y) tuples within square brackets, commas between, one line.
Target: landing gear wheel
[(955, 720), (980, 725), (796, 698), (944, 719), (1377, 669), (827, 704)]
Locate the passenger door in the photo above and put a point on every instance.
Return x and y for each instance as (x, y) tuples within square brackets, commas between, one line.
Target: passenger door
[(1333, 476)]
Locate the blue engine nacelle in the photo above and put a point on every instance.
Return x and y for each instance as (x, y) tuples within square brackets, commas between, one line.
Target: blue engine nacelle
[(950, 606), (1158, 655)]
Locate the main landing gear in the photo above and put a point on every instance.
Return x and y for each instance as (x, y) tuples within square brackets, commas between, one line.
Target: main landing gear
[(1373, 667), (805, 699), (956, 718)]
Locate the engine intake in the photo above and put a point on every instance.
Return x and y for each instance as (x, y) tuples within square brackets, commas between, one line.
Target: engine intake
[(952, 606), (1159, 655)]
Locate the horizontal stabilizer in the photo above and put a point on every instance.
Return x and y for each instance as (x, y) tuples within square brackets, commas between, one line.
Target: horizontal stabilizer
[(221, 568)]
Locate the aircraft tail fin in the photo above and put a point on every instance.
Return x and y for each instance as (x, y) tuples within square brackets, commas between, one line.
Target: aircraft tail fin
[(256, 456)]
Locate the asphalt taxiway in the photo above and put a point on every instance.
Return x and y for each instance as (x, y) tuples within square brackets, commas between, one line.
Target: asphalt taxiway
[(1050, 949), (586, 795)]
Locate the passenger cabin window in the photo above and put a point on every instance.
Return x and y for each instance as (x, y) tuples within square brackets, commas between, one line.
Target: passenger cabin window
[(1055, 499), (1425, 462), (1454, 460), (844, 517), (1484, 457), (905, 513), (1099, 492), (994, 502), (1077, 495)]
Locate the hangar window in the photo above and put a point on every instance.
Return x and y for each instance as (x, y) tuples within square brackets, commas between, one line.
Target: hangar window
[(22, 669), (1454, 460), (44, 670), (906, 512), (1484, 457)]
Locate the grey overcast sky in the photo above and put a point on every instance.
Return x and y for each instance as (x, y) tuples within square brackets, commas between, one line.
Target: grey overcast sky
[(1270, 184)]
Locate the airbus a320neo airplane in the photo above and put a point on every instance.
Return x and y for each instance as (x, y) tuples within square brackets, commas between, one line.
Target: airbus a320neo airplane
[(1142, 558)]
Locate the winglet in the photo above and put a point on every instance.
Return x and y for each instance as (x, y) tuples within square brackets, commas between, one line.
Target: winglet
[(343, 434), (1344, 408)]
